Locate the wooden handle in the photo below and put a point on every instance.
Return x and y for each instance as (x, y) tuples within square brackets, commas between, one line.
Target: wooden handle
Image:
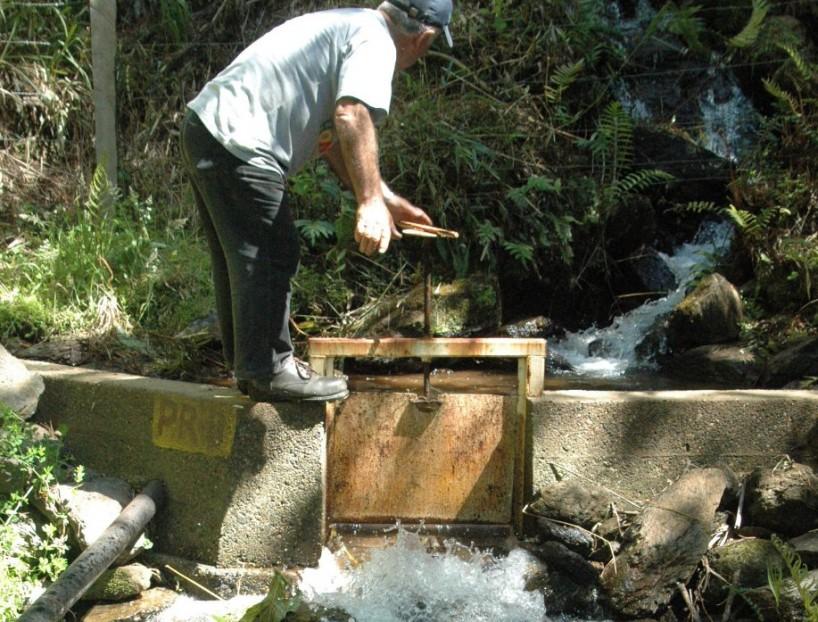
[(429, 229)]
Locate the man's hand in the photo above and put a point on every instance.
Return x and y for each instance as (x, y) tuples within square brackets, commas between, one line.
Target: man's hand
[(374, 226), (403, 210)]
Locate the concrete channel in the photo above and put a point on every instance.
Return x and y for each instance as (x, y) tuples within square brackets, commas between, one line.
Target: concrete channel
[(260, 484)]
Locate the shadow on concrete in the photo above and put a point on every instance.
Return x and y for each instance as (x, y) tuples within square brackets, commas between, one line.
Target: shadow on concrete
[(638, 442)]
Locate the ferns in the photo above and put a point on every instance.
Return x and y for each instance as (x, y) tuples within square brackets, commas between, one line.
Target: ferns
[(521, 252), (799, 574), (752, 29), (685, 23), (639, 181), (786, 100), (697, 207), (808, 71), (612, 142), (314, 231), (808, 74), (563, 78)]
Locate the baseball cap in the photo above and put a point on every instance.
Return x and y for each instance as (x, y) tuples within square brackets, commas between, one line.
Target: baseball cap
[(436, 13)]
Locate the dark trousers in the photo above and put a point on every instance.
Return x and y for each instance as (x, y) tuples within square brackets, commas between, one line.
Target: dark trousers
[(254, 247)]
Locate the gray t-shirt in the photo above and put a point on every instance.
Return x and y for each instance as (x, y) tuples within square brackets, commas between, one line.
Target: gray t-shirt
[(273, 105)]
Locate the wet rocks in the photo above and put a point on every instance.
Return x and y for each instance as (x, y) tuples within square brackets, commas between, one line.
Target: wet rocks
[(718, 364), (710, 314), (529, 328), (580, 541), (225, 582), (148, 603), (654, 273)]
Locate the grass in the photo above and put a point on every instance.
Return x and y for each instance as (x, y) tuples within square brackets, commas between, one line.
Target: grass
[(106, 267)]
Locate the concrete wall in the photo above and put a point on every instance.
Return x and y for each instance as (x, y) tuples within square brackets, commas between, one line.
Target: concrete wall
[(636, 443), (244, 480)]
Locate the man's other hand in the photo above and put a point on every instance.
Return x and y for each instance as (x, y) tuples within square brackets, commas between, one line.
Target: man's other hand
[(373, 227)]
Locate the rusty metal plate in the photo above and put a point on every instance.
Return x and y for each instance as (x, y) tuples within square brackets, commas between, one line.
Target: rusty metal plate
[(438, 347), (387, 460)]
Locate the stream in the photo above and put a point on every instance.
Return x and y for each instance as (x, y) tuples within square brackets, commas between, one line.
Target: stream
[(612, 351)]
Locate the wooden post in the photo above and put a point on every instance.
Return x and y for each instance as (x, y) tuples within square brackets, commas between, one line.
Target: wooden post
[(103, 55)]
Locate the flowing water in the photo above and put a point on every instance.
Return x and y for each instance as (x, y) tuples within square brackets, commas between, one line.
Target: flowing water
[(405, 582), (613, 351), (710, 109)]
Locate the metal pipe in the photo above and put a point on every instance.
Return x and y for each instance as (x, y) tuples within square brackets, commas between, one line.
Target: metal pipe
[(53, 604)]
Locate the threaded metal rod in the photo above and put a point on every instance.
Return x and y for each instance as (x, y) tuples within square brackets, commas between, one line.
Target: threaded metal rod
[(87, 568)]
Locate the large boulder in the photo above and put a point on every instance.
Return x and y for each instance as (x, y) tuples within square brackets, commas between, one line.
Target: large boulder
[(712, 313), (666, 543), (784, 499), (743, 564), (674, 152), (91, 507), (20, 389)]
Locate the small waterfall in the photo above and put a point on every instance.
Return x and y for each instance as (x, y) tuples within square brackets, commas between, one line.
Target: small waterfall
[(405, 583), (729, 119), (711, 108), (612, 351)]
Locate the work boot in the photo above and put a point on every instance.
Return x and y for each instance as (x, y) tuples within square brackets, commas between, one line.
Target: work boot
[(297, 382)]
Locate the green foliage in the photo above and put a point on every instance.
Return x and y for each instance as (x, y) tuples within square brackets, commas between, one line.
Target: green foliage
[(697, 207), (108, 265), (314, 231), (776, 211), (562, 79), (44, 78), (612, 142), (752, 29), (755, 225), (798, 572), (282, 599), (685, 22), (29, 555), (175, 18), (23, 316), (513, 139)]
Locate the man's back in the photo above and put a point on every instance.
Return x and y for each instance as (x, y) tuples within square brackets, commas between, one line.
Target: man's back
[(269, 106)]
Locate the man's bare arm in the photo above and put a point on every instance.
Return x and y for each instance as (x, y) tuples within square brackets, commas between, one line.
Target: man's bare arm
[(359, 150), (398, 207), (335, 160)]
